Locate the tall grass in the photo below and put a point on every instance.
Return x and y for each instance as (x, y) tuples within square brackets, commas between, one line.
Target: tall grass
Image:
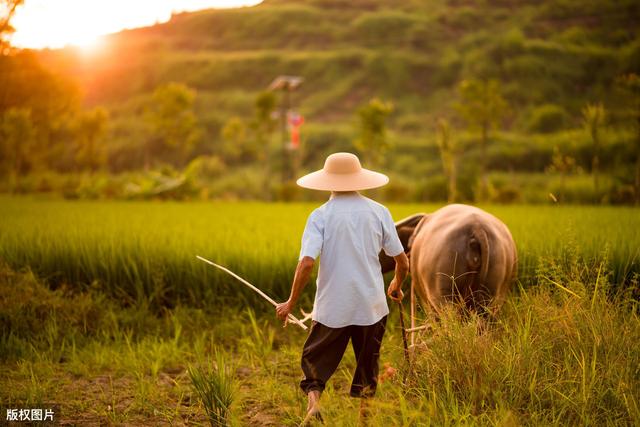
[(216, 388), (144, 252), (565, 351), (258, 339)]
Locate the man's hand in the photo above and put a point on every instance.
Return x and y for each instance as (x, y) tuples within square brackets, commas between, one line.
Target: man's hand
[(402, 268), (283, 309), (394, 287), (300, 279)]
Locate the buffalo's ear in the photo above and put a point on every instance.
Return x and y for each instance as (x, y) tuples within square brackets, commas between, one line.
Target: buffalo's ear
[(405, 229), (388, 263), (405, 233)]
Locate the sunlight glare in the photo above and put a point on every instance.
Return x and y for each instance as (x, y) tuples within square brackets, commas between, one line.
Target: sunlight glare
[(57, 23)]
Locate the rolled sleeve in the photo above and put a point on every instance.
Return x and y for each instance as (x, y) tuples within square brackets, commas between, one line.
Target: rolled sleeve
[(390, 241), (313, 236)]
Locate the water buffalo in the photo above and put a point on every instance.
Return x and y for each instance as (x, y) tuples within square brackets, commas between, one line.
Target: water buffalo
[(459, 254)]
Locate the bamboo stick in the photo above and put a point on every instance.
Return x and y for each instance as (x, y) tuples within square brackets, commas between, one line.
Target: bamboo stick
[(290, 317)]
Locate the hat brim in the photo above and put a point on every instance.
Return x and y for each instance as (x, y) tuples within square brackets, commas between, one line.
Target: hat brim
[(362, 180)]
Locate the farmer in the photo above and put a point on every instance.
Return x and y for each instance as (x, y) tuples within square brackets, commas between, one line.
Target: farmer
[(348, 232)]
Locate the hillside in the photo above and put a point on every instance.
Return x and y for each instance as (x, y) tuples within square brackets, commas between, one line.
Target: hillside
[(550, 58), (563, 52)]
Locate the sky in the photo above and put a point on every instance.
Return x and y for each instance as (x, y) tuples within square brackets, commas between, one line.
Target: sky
[(57, 23)]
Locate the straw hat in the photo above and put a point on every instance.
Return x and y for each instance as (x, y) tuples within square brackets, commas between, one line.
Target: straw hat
[(342, 172)]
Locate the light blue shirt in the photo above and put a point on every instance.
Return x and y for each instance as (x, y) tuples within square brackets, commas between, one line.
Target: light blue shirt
[(348, 232)]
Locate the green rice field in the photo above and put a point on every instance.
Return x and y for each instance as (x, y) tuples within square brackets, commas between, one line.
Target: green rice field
[(147, 249)]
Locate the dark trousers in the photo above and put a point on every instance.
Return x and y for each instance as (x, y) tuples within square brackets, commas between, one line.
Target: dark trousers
[(325, 347)]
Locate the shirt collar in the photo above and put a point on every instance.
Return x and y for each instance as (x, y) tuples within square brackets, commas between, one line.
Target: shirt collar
[(344, 194)]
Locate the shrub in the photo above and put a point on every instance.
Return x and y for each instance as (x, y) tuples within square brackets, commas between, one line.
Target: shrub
[(580, 189), (34, 317), (398, 190), (241, 183), (374, 28), (432, 189), (547, 118), (203, 169), (287, 191), (509, 194)]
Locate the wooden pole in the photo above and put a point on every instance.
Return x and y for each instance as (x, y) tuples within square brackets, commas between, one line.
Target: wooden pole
[(291, 317), (413, 315)]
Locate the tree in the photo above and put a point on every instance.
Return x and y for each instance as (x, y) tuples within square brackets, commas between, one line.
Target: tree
[(234, 136), (563, 165), (174, 125), (16, 141), (448, 154), (372, 131), (7, 10), (594, 116), (483, 108), (263, 125), (264, 122), (50, 99), (90, 128)]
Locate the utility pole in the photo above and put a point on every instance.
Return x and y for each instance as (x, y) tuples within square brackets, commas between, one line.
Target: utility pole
[(286, 84)]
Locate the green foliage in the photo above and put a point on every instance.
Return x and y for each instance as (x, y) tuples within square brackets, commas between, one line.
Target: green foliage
[(173, 122), (263, 125), (482, 107), (547, 118), (398, 189), (448, 154), (410, 54), (240, 183), (216, 389), (563, 165), (372, 129), (562, 352), (504, 189), (90, 129), (205, 168), (81, 242), (235, 139), (50, 99), (541, 56), (594, 118), (265, 105), (27, 322), (258, 339), (481, 103), (385, 28), (562, 328), (17, 137), (580, 188)]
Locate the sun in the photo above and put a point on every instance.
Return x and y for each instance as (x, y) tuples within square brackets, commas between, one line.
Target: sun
[(50, 27), (81, 23), (89, 43), (84, 39)]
